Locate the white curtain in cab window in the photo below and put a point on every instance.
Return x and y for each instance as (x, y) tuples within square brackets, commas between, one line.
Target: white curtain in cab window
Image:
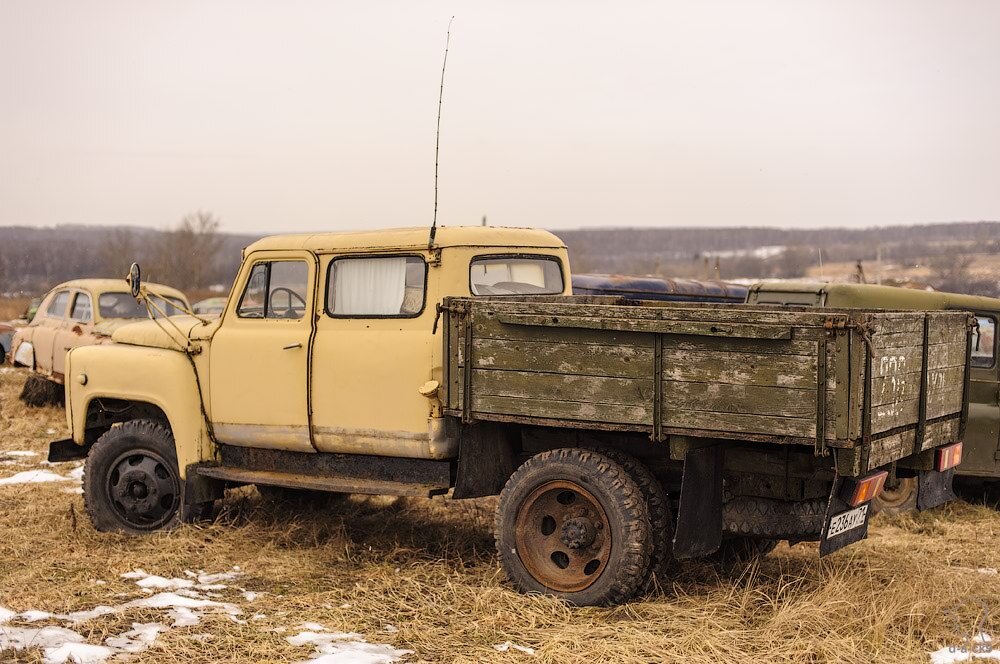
[(369, 286)]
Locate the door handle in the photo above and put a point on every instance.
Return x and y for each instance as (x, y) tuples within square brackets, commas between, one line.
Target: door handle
[(291, 346)]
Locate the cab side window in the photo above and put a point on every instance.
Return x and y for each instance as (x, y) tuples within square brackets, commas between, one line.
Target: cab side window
[(984, 345), (276, 289), (81, 308), (57, 308), (376, 287)]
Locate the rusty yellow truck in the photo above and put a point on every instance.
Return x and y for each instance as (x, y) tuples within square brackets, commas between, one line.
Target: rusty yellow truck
[(619, 435)]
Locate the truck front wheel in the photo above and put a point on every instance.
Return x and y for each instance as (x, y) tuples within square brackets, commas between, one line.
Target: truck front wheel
[(130, 479), (573, 523)]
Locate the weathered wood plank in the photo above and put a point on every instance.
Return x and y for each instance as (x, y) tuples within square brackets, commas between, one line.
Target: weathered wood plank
[(940, 433), (713, 421), (940, 356), (563, 410), (487, 327), (740, 368), (563, 387), (698, 328), (755, 346), (745, 399), (944, 402), (901, 387), (624, 361)]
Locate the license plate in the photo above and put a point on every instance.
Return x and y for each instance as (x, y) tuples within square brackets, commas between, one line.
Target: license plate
[(849, 520)]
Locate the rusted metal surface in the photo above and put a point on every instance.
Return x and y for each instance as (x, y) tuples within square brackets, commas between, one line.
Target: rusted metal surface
[(563, 536), (658, 288), (357, 467)]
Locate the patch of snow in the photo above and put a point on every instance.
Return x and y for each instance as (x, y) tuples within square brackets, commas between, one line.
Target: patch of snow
[(137, 639), (76, 473), (249, 595), (211, 579), (162, 583), (508, 645), (18, 638), (184, 617), (951, 654), (32, 477), (6, 615), (34, 616), (311, 627), (391, 629), (988, 570), (18, 453), (258, 616), (346, 648), (345, 605), (77, 490), (77, 653), (83, 616)]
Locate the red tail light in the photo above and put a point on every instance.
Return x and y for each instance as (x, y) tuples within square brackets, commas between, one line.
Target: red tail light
[(948, 456), (863, 489)]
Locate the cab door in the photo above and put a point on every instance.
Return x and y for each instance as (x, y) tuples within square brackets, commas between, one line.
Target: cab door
[(981, 454), (76, 330), (372, 353), (260, 355), (43, 338)]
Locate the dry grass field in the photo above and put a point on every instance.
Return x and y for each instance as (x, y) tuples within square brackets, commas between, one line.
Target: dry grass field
[(421, 575)]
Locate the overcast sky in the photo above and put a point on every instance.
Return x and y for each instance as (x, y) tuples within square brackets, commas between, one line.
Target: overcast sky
[(293, 115)]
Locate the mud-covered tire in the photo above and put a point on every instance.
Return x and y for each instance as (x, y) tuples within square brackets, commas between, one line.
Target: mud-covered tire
[(131, 483), (901, 499), (39, 392), (299, 498), (661, 518), (742, 551), (599, 516)]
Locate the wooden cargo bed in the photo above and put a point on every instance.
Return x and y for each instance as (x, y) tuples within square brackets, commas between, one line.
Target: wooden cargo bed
[(879, 385)]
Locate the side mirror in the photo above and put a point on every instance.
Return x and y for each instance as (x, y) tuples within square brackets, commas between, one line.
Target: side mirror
[(134, 279)]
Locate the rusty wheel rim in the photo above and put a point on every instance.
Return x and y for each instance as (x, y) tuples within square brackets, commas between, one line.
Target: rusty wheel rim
[(563, 537), (900, 495)]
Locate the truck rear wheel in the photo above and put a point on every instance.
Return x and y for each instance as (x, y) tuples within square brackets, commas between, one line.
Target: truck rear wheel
[(899, 499), (661, 519), (573, 523), (130, 479)]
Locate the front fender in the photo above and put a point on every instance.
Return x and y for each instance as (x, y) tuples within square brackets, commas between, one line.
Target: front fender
[(157, 376)]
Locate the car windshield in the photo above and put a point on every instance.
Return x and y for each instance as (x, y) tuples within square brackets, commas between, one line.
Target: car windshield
[(515, 275), (123, 305)]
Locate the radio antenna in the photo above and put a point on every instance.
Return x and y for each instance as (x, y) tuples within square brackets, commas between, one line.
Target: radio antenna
[(437, 137)]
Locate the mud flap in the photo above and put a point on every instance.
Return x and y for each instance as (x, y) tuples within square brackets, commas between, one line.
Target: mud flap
[(699, 516), (934, 488), (835, 538), (67, 450)]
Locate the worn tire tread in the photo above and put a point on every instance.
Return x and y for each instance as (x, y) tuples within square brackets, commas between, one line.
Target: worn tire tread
[(633, 535)]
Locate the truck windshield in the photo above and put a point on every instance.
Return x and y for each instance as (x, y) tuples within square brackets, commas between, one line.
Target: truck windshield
[(515, 275), (123, 305)]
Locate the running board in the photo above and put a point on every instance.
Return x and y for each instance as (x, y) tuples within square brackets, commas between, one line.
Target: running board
[(316, 483), (341, 473)]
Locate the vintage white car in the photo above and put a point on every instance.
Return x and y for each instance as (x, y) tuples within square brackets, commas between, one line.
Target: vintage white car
[(79, 313)]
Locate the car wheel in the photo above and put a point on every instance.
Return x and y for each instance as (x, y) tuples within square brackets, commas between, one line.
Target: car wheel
[(573, 523), (899, 499), (130, 481)]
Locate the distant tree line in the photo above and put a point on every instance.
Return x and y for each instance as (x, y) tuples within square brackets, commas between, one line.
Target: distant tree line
[(193, 255)]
